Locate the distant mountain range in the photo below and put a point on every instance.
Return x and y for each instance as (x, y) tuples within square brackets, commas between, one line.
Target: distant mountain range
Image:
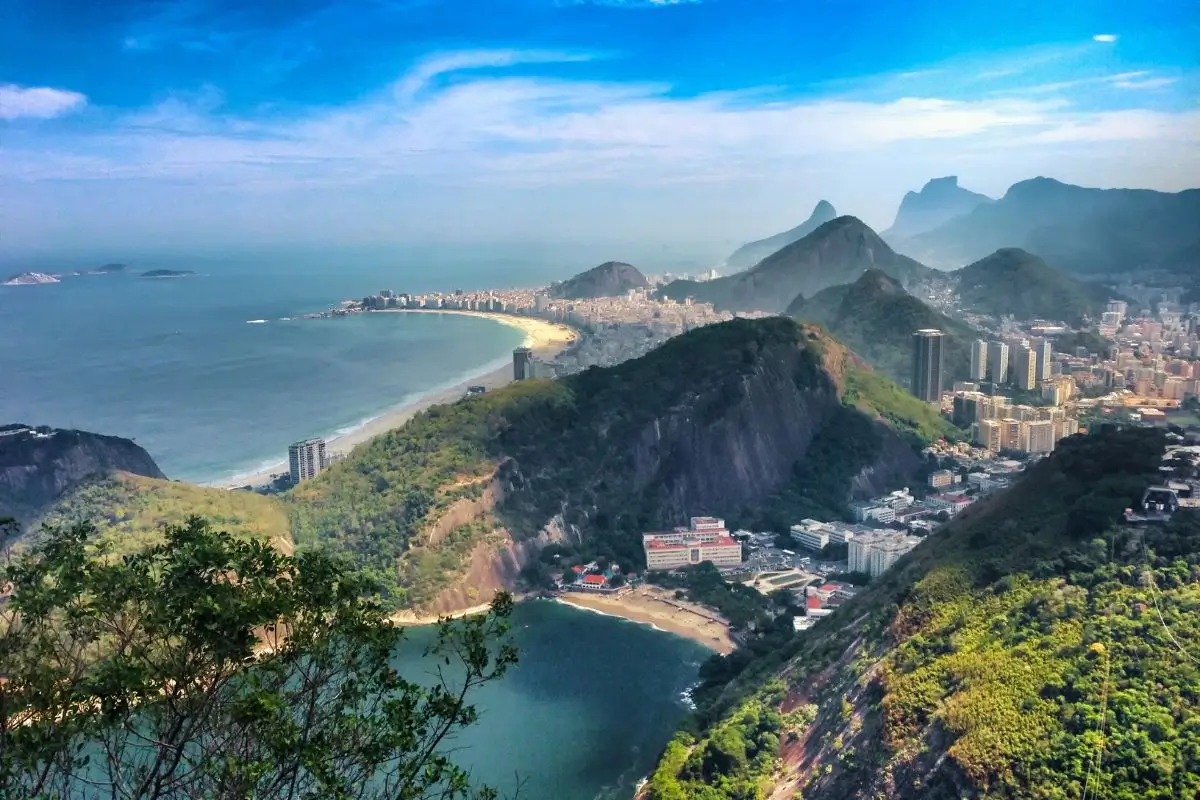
[(1078, 229), (610, 279), (34, 278), (750, 254), (1013, 281), (837, 252), (876, 318), (938, 202)]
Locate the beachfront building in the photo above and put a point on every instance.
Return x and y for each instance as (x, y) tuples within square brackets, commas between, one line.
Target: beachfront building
[(522, 364), (306, 459), (704, 539)]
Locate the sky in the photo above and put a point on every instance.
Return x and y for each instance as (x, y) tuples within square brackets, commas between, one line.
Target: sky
[(132, 124)]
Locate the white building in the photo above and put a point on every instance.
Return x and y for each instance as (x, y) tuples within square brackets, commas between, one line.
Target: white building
[(875, 553), (306, 459), (705, 539)]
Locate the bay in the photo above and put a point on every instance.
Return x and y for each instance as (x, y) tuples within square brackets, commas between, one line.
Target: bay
[(584, 714)]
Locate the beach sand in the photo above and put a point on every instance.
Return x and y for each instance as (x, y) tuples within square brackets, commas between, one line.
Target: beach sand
[(652, 605), (547, 339)]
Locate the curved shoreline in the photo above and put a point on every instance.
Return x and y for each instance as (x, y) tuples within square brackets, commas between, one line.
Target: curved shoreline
[(547, 339)]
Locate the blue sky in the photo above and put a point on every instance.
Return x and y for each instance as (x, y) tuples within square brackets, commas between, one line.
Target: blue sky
[(135, 123)]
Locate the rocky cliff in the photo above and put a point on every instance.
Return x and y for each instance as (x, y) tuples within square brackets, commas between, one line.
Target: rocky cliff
[(38, 465), (939, 201)]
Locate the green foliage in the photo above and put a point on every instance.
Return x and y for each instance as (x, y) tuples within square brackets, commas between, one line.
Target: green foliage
[(875, 395), (212, 666), (1028, 645), (131, 512), (1013, 281), (735, 760), (875, 318), (1087, 339)]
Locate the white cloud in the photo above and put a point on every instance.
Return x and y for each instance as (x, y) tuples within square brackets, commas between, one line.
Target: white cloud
[(37, 102), (1149, 83), (1104, 37)]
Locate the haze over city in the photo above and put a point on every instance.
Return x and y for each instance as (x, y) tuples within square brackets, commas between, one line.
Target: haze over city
[(207, 123)]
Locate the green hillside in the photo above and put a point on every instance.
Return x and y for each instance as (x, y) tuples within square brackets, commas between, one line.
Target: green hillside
[(711, 422), (130, 511), (876, 318), (1012, 281), (1034, 648)]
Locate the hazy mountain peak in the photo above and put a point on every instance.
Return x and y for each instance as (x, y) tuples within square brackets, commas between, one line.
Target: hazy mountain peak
[(750, 254), (610, 279), (940, 200)]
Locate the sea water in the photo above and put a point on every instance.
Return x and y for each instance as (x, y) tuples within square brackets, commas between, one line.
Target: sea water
[(585, 713), (215, 374)]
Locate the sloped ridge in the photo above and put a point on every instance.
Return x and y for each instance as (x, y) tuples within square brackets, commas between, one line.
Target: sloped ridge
[(1012, 281), (837, 252), (751, 253), (610, 279), (938, 202)]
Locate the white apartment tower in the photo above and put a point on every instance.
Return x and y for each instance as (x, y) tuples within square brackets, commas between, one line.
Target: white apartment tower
[(979, 359), (998, 362), (306, 459)]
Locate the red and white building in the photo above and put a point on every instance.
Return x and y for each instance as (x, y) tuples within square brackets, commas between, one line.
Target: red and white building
[(705, 539)]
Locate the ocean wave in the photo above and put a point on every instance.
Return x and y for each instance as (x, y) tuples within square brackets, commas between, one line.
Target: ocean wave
[(256, 322)]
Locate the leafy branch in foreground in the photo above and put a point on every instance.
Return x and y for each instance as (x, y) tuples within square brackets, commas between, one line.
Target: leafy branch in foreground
[(208, 667)]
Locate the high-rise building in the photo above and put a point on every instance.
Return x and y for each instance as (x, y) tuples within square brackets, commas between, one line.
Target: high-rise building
[(1042, 348), (989, 435), (979, 359), (1039, 436), (306, 459), (997, 362), (927, 364), (522, 364), (1012, 434), (1025, 368)]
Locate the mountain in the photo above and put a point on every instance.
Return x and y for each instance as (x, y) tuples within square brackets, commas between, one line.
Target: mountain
[(29, 279), (450, 507), (1034, 647), (750, 254), (938, 202), (610, 279), (876, 318), (1079, 229), (38, 465), (1012, 281), (835, 253)]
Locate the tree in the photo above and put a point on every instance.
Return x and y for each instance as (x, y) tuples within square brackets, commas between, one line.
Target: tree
[(209, 666)]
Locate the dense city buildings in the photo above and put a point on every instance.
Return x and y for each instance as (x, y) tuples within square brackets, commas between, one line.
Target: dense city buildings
[(928, 364), (704, 539), (306, 459)]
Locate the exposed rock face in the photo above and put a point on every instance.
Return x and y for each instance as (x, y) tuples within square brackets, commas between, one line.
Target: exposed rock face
[(30, 279), (938, 202), (38, 465), (751, 253), (610, 279)]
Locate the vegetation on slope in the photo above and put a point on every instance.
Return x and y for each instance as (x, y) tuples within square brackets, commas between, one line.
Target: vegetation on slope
[(211, 665), (1033, 649), (876, 318), (130, 512), (571, 448), (1013, 282)]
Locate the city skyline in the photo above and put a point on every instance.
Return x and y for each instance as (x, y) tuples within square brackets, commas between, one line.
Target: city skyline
[(203, 121)]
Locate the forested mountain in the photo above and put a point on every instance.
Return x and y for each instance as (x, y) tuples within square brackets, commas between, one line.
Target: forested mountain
[(1012, 281), (876, 318), (835, 253), (751, 253), (1078, 229), (1033, 648)]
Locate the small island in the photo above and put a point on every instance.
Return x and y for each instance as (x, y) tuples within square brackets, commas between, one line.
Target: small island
[(168, 273), (108, 269), (30, 279)]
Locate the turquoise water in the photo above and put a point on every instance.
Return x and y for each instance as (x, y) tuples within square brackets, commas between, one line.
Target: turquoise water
[(176, 365), (584, 714)]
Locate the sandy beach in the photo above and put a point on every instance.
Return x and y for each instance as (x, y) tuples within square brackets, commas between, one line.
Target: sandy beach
[(547, 339), (652, 605)]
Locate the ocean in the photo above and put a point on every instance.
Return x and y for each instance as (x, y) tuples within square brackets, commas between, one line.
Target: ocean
[(585, 713), (183, 366)]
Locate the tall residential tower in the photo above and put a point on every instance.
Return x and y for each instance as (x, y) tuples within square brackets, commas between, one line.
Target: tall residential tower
[(927, 364)]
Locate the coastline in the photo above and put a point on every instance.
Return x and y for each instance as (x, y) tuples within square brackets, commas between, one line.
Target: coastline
[(658, 608), (547, 339)]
